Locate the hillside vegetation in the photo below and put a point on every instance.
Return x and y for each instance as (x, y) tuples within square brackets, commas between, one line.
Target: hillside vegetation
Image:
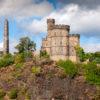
[(24, 76), (43, 78)]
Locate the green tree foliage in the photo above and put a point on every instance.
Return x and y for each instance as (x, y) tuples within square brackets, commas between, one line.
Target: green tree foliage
[(83, 56), (69, 67), (80, 53), (25, 44), (97, 54), (95, 57)]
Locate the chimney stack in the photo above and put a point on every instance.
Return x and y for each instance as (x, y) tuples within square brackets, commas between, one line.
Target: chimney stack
[(6, 37)]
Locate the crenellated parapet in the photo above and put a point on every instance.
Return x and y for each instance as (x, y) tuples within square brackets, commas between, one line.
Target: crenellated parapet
[(50, 20), (61, 26), (74, 35), (51, 25)]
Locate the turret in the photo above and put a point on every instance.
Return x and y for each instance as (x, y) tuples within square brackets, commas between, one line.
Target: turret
[(50, 23), (6, 37)]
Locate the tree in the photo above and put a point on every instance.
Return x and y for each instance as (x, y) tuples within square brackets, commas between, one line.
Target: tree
[(96, 57), (97, 54), (93, 57), (26, 45), (80, 53)]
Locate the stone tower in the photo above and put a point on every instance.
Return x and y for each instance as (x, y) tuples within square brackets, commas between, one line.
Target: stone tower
[(6, 37), (59, 44)]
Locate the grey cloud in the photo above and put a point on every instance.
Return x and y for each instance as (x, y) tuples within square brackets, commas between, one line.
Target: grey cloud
[(84, 3), (24, 8)]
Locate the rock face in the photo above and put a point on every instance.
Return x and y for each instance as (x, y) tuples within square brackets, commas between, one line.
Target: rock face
[(61, 89), (59, 43), (48, 84), (6, 37)]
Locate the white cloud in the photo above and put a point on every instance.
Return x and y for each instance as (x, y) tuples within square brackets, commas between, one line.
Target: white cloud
[(85, 22), (1, 46), (82, 21), (91, 47), (36, 26), (24, 8), (12, 45)]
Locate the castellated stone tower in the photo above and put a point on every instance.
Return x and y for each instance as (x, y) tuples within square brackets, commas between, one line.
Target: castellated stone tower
[(6, 37), (59, 44)]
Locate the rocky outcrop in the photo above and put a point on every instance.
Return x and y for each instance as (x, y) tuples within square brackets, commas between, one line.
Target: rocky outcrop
[(49, 84)]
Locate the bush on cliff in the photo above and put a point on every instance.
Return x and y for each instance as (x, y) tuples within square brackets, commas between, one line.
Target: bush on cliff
[(6, 60), (69, 67), (92, 73), (19, 58), (44, 54), (22, 57), (2, 94), (13, 94), (36, 69)]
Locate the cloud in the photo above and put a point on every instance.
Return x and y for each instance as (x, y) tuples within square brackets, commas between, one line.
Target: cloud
[(91, 47), (1, 46), (90, 4), (35, 26), (84, 22), (24, 8), (12, 45)]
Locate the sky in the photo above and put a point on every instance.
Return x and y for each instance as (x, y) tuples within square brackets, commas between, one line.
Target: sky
[(28, 18)]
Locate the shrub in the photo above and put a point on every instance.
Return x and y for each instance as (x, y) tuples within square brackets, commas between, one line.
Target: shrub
[(68, 66), (97, 95), (19, 58), (27, 96), (46, 61), (97, 60), (92, 73), (36, 69), (44, 54), (6, 60), (19, 65), (13, 94), (22, 57), (17, 74), (28, 54), (2, 94)]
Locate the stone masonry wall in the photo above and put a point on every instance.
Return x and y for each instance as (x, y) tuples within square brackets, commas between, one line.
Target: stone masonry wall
[(59, 44)]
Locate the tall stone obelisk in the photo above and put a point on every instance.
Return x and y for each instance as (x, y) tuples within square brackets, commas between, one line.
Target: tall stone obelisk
[(6, 37)]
